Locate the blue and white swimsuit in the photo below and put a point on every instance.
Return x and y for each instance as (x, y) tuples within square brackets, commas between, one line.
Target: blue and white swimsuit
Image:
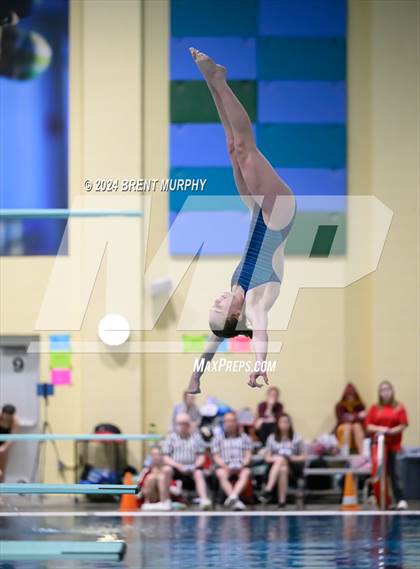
[(256, 265)]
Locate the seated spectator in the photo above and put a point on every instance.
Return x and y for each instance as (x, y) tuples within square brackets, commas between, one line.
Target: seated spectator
[(350, 413), (184, 452), (8, 425), (187, 406), (285, 457), (156, 482), (268, 412), (389, 417), (232, 456)]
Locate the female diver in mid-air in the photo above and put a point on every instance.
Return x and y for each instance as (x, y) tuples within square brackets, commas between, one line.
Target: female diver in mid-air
[(255, 284)]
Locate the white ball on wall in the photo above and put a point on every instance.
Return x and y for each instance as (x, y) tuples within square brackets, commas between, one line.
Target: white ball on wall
[(113, 330)]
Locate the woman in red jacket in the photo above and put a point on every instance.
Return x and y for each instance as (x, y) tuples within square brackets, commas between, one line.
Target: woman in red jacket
[(389, 417)]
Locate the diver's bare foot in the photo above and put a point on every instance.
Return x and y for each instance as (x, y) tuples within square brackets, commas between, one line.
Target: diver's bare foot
[(194, 386), (213, 72)]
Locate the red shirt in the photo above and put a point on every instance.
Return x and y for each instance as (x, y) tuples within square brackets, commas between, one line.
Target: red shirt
[(388, 416)]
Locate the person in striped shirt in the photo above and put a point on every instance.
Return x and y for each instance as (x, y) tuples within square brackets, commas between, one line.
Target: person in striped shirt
[(184, 453), (232, 456)]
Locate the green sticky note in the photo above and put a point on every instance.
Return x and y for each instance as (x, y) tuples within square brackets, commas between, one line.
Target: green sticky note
[(193, 342), (60, 360)]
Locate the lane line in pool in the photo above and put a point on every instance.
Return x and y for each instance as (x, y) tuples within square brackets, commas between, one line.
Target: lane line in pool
[(318, 513)]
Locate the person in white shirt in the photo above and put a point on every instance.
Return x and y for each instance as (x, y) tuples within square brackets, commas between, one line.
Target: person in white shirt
[(285, 456)]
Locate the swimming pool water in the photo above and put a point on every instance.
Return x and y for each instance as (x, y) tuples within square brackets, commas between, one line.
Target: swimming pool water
[(243, 542)]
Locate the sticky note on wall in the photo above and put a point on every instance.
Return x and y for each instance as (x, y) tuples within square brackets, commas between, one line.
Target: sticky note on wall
[(193, 342), (60, 342), (240, 344), (60, 360), (60, 376)]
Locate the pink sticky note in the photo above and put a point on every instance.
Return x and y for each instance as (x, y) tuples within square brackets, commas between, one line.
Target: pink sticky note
[(61, 376), (240, 344)]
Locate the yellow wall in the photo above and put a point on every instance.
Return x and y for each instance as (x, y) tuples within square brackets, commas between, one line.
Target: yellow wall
[(395, 167), (119, 128)]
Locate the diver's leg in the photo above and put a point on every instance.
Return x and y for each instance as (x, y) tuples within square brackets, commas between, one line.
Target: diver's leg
[(234, 113), (260, 178), (230, 144)]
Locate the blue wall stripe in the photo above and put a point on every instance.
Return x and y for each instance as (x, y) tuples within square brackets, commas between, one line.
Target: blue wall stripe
[(286, 145), (208, 202), (219, 179), (302, 17), (237, 54), (315, 181), (303, 59), (178, 201), (198, 145), (304, 181), (322, 203), (224, 233), (213, 18), (323, 190), (220, 183), (295, 148), (219, 232), (301, 101), (303, 145)]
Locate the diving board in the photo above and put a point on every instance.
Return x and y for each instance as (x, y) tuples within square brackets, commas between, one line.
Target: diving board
[(51, 213), (45, 550), (113, 489)]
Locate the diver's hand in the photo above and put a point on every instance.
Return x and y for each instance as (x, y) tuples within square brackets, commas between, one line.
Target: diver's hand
[(254, 376)]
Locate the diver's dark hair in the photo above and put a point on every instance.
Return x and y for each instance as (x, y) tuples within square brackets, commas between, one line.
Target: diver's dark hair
[(8, 409), (230, 329)]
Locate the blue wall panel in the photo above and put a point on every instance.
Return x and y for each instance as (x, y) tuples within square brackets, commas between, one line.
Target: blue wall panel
[(237, 54), (220, 183), (198, 145), (217, 232), (316, 189), (295, 50), (303, 145), (301, 101), (321, 203), (290, 59), (306, 18), (214, 18), (315, 181)]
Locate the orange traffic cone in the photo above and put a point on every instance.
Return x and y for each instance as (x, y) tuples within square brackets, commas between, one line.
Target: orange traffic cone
[(350, 494), (128, 502)]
